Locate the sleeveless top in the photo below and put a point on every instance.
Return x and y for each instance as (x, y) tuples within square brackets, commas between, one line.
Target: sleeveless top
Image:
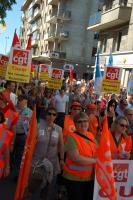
[(47, 145)]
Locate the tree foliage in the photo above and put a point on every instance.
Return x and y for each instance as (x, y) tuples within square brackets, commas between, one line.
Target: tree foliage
[(4, 6)]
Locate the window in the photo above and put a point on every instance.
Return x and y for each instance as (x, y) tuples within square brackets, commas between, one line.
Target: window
[(119, 40), (94, 51), (96, 36), (105, 44)]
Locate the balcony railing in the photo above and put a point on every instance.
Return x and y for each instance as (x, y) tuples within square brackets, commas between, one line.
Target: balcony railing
[(119, 14), (54, 54), (61, 35), (61, 15)]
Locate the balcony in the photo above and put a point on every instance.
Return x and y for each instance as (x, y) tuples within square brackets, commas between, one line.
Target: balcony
[(34, 42), (50, 37), (64, 35), (116, 16), (54, 55), (34, 16), (35, 27), (53, 2), (62, 15)]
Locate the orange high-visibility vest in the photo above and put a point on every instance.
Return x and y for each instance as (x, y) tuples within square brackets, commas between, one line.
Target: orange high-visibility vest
[(11, 118), (86, 149), (5, 139), (69, 126), (124, 146), (93, 125)]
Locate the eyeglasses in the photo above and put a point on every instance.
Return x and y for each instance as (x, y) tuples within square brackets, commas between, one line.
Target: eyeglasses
[(49, 113), (123, 125), (82, 121)]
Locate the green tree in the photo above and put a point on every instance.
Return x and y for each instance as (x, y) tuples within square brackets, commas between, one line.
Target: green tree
[(4, 6)]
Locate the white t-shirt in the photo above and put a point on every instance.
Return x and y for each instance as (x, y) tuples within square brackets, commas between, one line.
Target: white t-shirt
[(60, 102), (13, 98)]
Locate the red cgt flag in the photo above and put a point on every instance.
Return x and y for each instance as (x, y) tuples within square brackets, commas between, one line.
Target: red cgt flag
[(27, 159), (29, 43), (16, 42), (104, 166)]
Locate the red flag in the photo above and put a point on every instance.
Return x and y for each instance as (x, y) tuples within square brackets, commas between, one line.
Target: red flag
[(29, 43), (16, 42), (104, 166), (71, 74), (27, 159)]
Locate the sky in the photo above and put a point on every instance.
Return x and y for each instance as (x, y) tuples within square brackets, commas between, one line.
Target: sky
[(13, 20)]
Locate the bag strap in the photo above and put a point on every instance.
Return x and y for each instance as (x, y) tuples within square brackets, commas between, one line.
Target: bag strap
[(83, 136)]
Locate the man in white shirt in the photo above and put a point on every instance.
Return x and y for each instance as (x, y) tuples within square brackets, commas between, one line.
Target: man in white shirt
[(61, 103)]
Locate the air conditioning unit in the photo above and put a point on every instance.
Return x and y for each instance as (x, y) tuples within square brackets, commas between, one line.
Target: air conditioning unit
[(54, 55)]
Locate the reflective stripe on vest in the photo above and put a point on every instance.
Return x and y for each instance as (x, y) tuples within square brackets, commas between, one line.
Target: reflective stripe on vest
[(2, 138), (1, 171), (1, 157), (81, 168), (9, 119), (4, 131)]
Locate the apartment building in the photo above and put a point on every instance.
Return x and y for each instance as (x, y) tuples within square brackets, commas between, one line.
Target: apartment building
[(114, 23), (60, 36)]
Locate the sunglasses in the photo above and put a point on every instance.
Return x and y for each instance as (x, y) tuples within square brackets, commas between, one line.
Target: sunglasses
[(123, 125), (49, 113), (82, 121)]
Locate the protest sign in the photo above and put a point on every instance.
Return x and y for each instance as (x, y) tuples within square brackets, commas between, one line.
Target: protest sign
[(44, 72), (19, 66), (123, 175), (130, 84), (55, 80), (34, 71), (112, 79), (3, 65)]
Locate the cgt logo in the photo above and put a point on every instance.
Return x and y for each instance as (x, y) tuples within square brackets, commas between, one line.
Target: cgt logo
[(4, 60), (20, 57), (112, 73), (44, 68), (57, 74), (120, 172)]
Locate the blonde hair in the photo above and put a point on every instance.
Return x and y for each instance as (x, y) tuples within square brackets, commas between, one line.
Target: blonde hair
[(116, 122)]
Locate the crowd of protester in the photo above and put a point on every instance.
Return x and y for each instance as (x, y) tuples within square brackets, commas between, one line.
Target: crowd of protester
[(70, 122)]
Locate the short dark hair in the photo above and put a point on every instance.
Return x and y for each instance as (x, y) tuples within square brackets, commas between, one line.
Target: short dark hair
[(22, 97), (8, 83), (51, 108)]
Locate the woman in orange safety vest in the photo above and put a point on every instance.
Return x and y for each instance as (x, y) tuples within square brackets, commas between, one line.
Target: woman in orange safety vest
[(80, 160), (5, 140), (120, 142)]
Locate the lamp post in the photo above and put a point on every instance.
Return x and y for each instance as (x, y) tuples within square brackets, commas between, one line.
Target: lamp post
[(6, 38)]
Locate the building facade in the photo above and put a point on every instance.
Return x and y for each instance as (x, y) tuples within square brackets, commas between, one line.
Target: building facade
[(114, 23), (59, 30)]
